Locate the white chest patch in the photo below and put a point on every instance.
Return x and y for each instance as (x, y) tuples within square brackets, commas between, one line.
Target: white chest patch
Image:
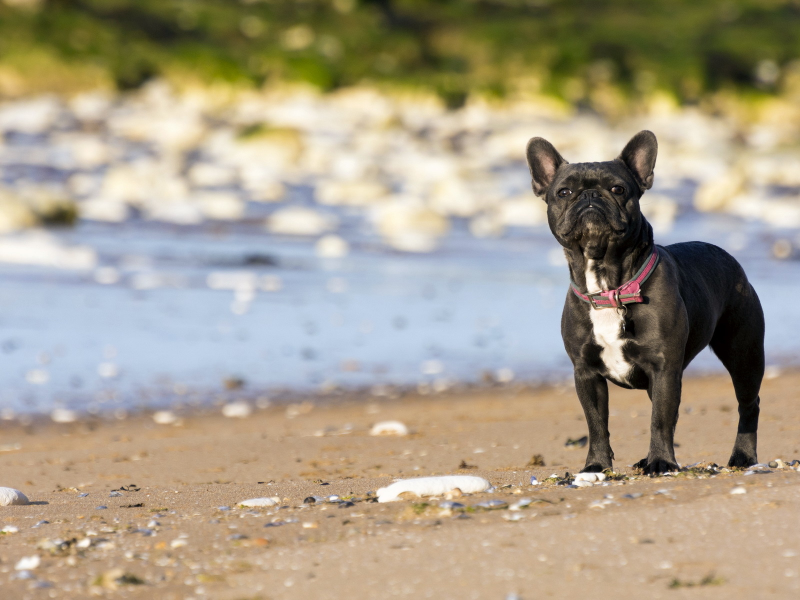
[(607, 327)]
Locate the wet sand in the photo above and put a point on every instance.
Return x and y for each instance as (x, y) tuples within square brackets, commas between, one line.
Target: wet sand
[(171, 535)]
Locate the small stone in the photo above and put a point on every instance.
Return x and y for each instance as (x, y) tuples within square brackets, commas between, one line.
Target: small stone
[(534, 481), (492, 504), (237, 410), (64, 415), (9, 529), (178, 543), (389, 428), (773, 464), (27, 563), (520, 504), (451, 505), (590, 477), (257, 502), (12, 497), (165, 417), (513, 517), (739, 490)]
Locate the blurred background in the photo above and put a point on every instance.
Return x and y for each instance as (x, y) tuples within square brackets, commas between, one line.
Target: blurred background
[(212, 201)]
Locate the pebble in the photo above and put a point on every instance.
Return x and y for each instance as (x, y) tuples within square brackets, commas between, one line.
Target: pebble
[(590, 477), (451, 505), (739, 490), (579, 483), (296, 220), (9, 529), (433, 486), (331, 246), (534, 481), (389, 428), (256, 502), (237, 410), (514, 517), (165, 417), (27, 563), (520, 504), (492, 504), (12, 497), (178, 543), (63, 415)]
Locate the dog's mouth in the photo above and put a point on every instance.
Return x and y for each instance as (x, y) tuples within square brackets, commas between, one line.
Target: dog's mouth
[(592, 215)]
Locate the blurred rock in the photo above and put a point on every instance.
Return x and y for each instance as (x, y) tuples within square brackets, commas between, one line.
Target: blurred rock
[(349, 193), (222, 206), (296, 220), (717, 194), (409, 225), (331, 246), (39, 248), (522, 211)]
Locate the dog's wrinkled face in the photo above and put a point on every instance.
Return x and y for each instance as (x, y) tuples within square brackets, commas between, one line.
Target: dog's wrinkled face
[(590, 205)]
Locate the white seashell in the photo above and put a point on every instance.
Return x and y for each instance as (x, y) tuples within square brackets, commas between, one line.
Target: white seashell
[(64, 415), (581, 483), (389, 428), (9, 529), (165, 417), (739, 490), (178, 543), (12, 497), (433, 486), (237, 410), (590, 477), (26, 563), (255, 502)]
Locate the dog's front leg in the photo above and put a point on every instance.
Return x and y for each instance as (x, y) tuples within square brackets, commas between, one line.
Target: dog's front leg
[(665, 396), (593, 393)]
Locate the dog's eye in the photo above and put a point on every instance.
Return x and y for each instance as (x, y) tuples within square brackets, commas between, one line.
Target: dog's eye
[(564, 192), (618, 190)]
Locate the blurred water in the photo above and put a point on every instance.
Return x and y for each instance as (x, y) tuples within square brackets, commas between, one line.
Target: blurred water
[(471, 310)]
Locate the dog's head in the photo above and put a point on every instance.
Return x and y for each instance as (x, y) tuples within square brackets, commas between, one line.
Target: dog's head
[(592, 205)]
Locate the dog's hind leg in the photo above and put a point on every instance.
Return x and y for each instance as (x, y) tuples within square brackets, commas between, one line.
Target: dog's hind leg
[(739, 343)]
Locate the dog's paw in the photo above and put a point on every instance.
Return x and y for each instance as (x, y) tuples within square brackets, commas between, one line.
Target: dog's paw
[(656, 466), (741, 459), (595, 468)]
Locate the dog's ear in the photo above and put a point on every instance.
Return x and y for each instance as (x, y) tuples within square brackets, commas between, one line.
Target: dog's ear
[(543, 161), (639, 155)]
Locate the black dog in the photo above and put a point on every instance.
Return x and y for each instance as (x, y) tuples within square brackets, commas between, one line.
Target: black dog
[(637, 313)]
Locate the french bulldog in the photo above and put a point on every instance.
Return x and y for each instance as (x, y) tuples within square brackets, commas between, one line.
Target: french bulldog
[(636, 314)]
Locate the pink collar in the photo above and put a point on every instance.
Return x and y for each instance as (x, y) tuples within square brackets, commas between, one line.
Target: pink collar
[(627, 293)]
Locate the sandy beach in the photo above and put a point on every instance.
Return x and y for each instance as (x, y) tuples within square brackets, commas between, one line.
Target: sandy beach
[(172, 526)]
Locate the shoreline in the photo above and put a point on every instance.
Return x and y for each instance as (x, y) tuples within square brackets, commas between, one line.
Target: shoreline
[(177, 531)]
